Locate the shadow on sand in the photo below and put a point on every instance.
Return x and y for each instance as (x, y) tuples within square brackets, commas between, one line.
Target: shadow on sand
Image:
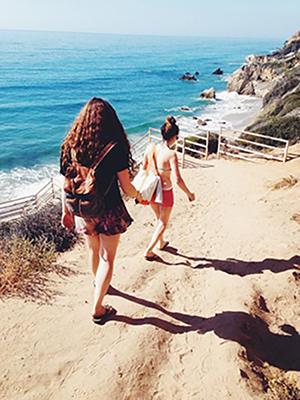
[(233, 266), (250, 331)]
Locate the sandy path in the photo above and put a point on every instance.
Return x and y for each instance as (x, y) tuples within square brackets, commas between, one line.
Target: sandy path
[(184, 323)]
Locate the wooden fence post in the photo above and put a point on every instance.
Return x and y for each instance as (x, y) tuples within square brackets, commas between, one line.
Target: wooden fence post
[(53, 189), (183, 152), (219, 144), (286, 151), (207, 144)]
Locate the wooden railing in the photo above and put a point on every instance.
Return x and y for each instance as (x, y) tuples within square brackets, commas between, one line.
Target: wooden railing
[(242, 145), (138, 148), (14, 209), (195, 145)]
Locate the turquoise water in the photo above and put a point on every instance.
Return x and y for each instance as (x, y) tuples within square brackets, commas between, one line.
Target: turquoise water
[(45, 79)]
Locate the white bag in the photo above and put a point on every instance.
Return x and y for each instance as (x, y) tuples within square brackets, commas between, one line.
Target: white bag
[(148, 181), (159, 193)]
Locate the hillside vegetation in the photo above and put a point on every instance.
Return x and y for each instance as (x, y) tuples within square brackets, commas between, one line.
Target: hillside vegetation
[(275, 78)]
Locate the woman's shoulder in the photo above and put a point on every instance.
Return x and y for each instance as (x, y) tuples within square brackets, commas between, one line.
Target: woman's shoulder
[(119, 157), (172, 155), (150, 148)]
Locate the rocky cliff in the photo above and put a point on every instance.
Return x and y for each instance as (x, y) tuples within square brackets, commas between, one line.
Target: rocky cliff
[(275, 78)]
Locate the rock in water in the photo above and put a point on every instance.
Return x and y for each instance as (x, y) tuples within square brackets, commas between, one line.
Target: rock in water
[(218, 71), (188, 77), (208, 93)]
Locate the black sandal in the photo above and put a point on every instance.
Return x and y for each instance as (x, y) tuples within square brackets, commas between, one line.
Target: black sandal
[(101, 319), (153, 257)]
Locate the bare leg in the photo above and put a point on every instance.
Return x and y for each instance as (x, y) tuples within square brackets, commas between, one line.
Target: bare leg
[(93, 243), (156, 209), (163, 215), (108, 250)]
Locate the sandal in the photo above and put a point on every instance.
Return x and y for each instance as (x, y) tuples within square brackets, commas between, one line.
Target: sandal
[(101, 319), (153, 257)]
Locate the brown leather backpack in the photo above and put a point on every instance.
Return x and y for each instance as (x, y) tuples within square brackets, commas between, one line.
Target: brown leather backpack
[(83, 197)]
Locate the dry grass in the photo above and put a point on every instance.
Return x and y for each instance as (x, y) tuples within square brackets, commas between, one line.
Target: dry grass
[(281, 387), (286, 183), (28, 249), (296, 217), (22, 264)]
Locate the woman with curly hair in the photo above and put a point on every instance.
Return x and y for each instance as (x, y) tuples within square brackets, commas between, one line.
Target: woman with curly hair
[(166, 162), (95, 127)]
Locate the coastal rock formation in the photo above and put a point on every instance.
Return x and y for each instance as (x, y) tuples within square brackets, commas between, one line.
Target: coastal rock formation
[(201, 122), (188, 77), (218, 71), (185, 108), (208, 93), (290, 46), (241, 82), (265, 68), (275, 78)]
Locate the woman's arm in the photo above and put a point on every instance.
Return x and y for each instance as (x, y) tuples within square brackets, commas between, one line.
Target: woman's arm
[(179, 180), (67, 218), (127, 186)]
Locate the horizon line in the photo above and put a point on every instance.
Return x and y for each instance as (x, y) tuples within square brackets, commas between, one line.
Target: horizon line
[(145, 34)]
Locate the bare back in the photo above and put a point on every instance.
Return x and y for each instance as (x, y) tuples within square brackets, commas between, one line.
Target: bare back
[(164, 160)]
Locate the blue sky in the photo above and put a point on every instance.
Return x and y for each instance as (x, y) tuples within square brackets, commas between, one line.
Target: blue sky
[(231, 18)]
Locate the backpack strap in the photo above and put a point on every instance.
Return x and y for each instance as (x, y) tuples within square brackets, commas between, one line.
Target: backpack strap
[(152, 160), (103, 154), (98, 160)]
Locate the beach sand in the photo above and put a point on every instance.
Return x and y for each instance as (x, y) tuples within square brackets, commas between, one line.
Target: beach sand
[(202, 323), (250, 108)]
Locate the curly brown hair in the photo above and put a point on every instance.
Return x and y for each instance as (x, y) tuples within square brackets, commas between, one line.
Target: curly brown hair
[(96, 125)]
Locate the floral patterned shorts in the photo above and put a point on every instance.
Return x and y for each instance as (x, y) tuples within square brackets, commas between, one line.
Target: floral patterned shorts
[(112, 222)]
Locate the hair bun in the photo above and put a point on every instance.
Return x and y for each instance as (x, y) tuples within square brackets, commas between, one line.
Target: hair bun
[(171, 120)]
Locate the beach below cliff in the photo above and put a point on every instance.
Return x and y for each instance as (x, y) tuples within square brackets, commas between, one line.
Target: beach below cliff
[(215, 316), (227, 111)]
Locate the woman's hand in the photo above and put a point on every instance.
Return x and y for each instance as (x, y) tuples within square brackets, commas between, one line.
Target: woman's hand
[(191, 196), (68, 221), (126, 185), (138, 198)]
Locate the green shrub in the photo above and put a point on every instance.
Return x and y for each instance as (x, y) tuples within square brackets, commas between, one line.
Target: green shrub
[(282, 87), (212, 145), (43, 225), (290, 103), (277, 110), (282, 128)]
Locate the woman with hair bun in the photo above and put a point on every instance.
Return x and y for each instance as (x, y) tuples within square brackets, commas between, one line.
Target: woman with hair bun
[(167, 162)]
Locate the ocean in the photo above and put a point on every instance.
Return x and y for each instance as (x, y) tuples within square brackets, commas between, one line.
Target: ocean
[(47, 77)]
